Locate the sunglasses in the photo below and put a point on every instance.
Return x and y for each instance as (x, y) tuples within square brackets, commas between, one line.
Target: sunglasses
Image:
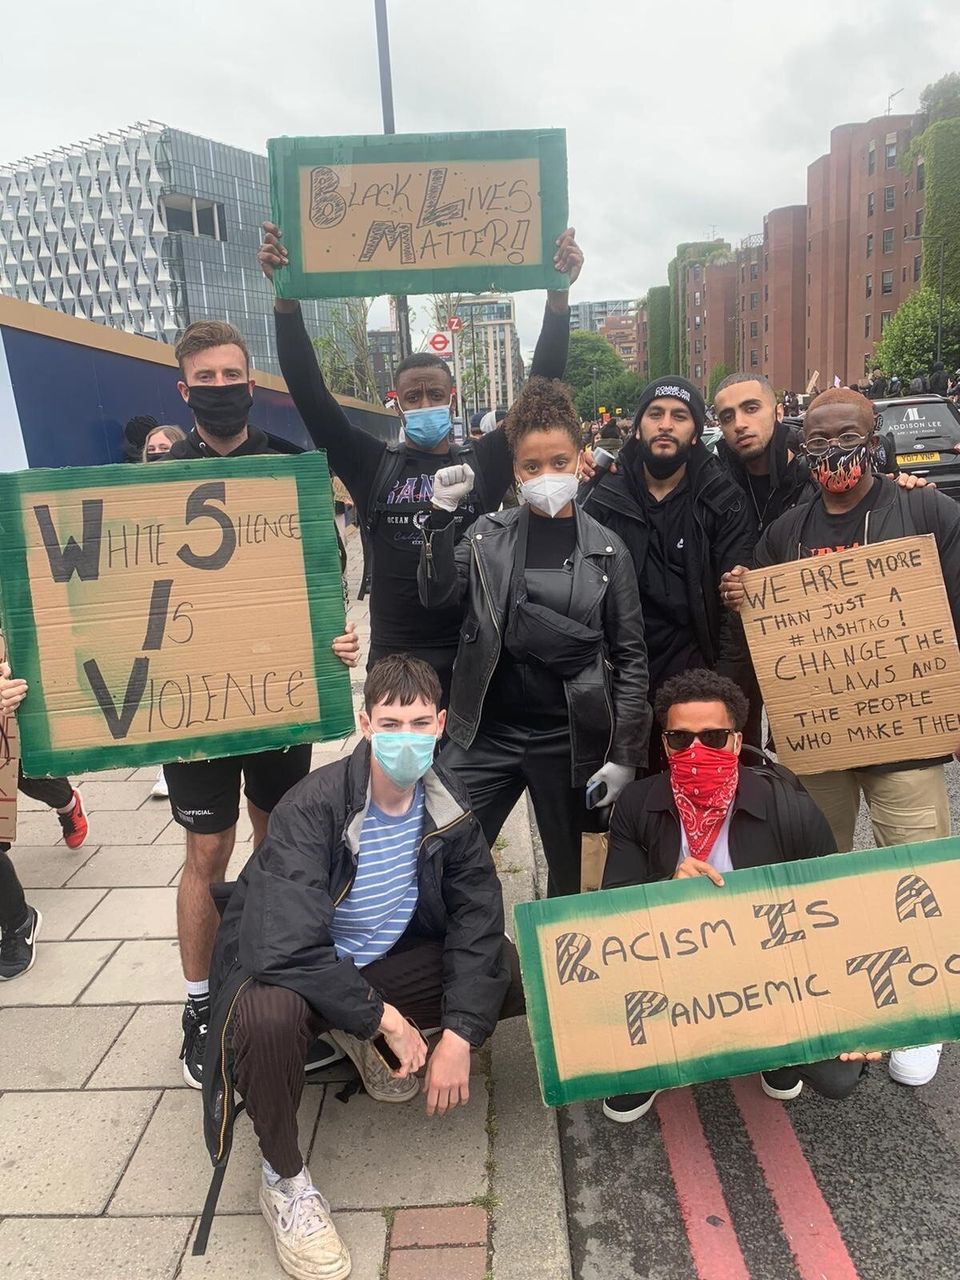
[(680, 739)]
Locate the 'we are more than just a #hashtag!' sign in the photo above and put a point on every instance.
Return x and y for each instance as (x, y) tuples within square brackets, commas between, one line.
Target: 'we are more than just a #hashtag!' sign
[(183, 611), (856, 655), (419, 213)]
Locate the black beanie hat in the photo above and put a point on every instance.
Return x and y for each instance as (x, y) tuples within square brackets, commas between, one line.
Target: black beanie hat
[(676, 388)]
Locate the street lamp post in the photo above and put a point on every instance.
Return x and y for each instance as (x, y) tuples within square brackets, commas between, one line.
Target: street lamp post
[(389, 126), (594, 393), (943, 249)]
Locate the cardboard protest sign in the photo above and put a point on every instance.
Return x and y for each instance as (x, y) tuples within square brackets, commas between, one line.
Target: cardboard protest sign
[(419, 213), (183, 611), (856, 656), (9, 770), (630, 990)]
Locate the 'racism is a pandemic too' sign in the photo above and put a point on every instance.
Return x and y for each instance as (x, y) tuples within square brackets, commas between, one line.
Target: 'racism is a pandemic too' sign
[(419, 213), (856, 655), (176, 612), (673, 983)]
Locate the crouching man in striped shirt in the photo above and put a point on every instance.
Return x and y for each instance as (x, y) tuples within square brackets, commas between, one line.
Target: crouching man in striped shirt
[(371, 910)]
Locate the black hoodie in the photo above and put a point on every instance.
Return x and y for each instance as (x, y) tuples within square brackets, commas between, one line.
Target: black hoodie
[(790, 481)]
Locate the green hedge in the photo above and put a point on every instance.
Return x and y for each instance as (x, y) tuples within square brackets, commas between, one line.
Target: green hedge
[(940, 147), (658, 331)]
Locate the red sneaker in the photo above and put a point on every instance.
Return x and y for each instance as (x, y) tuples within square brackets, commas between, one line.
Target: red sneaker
[(74, 823)]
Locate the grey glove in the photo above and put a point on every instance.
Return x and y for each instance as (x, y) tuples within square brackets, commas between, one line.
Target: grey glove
[(616, 776)]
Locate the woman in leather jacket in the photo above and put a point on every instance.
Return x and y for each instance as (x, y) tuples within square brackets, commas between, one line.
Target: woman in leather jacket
[(550, 680)]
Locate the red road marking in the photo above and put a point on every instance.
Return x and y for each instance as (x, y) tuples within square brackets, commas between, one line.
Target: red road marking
[(811, 1232), (714, 1248)]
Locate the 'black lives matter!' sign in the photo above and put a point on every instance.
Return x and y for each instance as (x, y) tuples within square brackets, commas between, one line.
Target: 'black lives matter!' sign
[(419, 213), (678, 982), (856, 655), (183, 611)]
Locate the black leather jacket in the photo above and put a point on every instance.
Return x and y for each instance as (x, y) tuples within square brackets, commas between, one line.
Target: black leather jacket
[(607, 702)]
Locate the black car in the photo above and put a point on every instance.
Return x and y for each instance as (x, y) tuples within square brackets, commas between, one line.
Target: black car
[(926, 430)]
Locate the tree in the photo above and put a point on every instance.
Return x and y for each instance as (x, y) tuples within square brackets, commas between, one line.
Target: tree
[(909, 342), (717, 375), (344, 352), (589, 351), (941, 100)]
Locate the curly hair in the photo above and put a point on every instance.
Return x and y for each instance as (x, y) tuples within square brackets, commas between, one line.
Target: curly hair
[(701, 685), (544, 404)]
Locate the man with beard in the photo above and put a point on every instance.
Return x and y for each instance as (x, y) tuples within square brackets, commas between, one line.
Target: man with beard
[(907, 799), (685, 523), (760, 453), (205, 794)]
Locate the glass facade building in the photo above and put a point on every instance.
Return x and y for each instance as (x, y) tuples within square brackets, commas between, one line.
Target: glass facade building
[(147, 230)]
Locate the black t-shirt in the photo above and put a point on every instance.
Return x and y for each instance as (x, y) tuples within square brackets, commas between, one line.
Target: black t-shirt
[(397, 618), (823, 531), (759, 487), (527, 694), (667, 620)]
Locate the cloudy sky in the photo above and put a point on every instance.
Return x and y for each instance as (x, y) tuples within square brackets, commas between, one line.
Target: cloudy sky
[(682, 119)]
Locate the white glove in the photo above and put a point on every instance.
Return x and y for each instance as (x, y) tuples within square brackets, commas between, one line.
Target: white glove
[(616, 776), (451, 485)]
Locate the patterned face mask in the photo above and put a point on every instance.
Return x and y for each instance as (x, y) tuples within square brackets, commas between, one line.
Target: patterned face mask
[(839, 470)]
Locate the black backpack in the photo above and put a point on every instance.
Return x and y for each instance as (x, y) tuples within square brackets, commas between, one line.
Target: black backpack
[(786, 786)]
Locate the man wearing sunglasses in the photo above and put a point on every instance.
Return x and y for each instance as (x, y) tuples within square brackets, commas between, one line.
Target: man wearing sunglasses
[(709, 814), (907, 799)]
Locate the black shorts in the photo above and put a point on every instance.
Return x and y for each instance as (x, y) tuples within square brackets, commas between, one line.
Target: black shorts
[(205, 794)]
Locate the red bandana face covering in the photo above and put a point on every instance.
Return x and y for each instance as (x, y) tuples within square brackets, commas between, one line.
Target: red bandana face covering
[(704, 782)]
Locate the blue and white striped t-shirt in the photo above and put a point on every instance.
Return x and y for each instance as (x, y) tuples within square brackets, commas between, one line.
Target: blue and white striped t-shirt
[(383, 897)]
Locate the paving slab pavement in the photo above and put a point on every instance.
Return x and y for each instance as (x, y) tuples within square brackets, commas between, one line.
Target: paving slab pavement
[(103, 1169)]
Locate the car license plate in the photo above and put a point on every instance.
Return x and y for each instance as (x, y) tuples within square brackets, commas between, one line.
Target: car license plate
[(908, 458)]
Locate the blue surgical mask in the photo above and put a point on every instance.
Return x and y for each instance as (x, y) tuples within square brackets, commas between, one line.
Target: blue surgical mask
[(404, 757), (427, 427)]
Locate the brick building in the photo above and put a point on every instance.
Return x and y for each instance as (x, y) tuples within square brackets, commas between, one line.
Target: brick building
[(783, 294), (863, 213), (710, 306), (627, 334)]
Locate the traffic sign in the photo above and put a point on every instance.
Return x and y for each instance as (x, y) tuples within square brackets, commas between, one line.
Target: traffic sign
[(440, 344), (454, 324)]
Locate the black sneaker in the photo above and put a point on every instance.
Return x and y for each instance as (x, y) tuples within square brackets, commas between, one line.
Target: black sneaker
[(18, 947), (782, 1084), (322, 1053), (194, 1023), (627, 1107)]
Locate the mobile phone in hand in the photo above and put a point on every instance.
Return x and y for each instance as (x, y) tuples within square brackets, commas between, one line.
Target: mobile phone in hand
[(596, 794)]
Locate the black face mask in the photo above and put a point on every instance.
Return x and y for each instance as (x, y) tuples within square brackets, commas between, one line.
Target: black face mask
[(661, 467), (221, 410), (155, 457)]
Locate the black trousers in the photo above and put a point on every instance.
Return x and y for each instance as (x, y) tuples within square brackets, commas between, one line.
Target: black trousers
[(13, 905), (441, 660), (274, 1027), (505, 759), (55, 792), (831, 1078)]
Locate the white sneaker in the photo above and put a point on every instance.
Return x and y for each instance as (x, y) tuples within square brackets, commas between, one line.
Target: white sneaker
[(307, 1242), (159, 789), (378, 1080), (915, 1066)]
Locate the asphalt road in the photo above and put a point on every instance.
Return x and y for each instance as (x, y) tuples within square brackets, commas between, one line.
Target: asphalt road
[(721, 1183)]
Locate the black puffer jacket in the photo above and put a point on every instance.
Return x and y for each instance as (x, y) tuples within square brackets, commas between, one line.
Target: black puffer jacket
[(718, 535), (607, 702), (276, 926)]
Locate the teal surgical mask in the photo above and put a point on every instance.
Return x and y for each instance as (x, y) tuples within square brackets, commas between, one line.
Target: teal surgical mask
[(404, 757), (427, 427)]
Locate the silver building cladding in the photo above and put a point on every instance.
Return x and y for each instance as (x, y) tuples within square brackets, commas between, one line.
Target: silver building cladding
[(148, 230)]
